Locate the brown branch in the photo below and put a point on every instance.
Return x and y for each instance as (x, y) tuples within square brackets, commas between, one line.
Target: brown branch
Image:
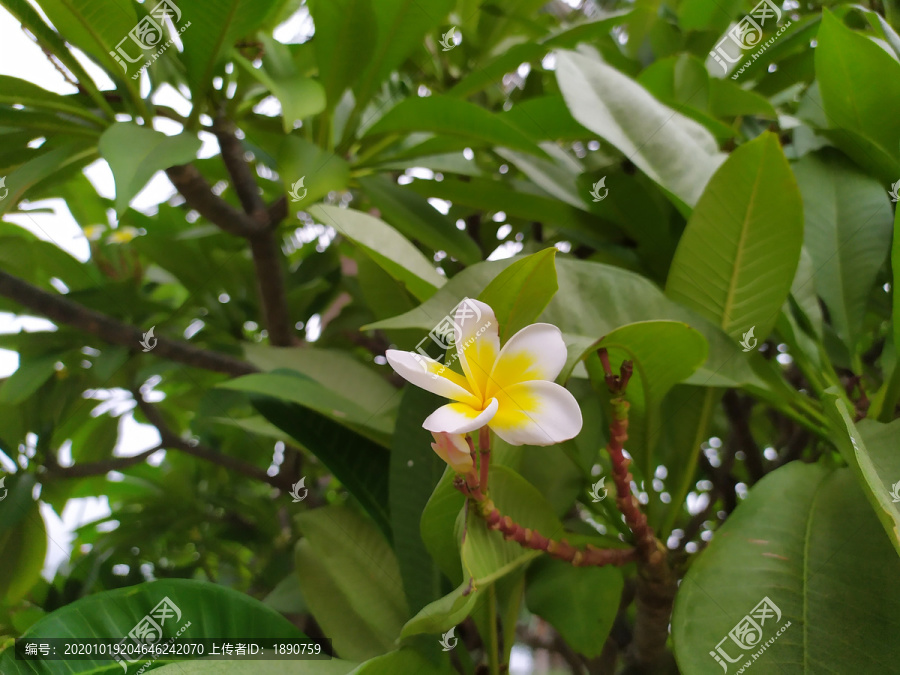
[(171, 440), (198, 194), (270, 283), (61, 310), (99, 468), (241, 176)]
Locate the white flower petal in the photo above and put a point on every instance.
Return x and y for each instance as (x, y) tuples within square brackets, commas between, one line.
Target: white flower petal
[(537, 352), (431, 375), (459, 418), (536, 413), (477, 341)]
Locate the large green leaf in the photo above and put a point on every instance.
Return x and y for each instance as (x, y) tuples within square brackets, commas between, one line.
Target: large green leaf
[(23, 539), (415, 471), (321, 171), (386, 246), (406, 660), (71, 154), (871, 452), (28, 378), (416, 219), (676, 152), (213, 612), (580, 602), (360, 464), (847, 233), (351, 581), (860, 85), (806, 539), (335, 369), (453, 117), (738, 254), (135, 153), (520, 293), (340, 23)]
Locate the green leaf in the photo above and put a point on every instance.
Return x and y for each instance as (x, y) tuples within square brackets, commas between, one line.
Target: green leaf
[(877, 470), (212, 610), (71, 154), (847, 234), (416, 219), (23, 539), (895, 268), (806, 539), (486, 555), (491, 73), (452, 117), (579, 602), (334, 369), (300, 97), (415, 471), (215, 26), (135, 153), (351, 581), (360, 464), (520, 293), (28, 378), (387, 247), (312, 395), (860, 85), (437, 524), (441, 615), (340, 23), (737, 257), (674, 151), (322, 172), (15, 91)]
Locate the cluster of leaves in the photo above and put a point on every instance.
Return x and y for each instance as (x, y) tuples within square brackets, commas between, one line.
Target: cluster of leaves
[(737, 210)]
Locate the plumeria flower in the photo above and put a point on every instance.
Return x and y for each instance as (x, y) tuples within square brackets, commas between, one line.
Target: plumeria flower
[(511, 390), (453, 449)]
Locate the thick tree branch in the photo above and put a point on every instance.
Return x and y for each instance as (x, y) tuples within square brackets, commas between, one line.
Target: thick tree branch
[(173, 441), (241, 176), (198, 194), (270, 282), (62, 310)]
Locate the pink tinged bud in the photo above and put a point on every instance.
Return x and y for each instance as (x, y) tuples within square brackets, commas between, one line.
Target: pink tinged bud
[(453, 449)]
